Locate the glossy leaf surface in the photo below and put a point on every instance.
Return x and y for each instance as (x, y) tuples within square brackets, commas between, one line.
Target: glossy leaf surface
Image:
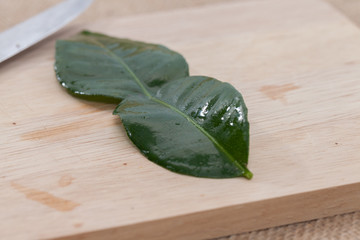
[(196, 126), (98, 67), (190, 125)]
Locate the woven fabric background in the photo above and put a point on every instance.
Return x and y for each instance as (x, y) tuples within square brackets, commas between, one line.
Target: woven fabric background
[(341, 227)]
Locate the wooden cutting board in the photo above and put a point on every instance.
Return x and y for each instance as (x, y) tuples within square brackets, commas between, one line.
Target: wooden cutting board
[(67, 169)]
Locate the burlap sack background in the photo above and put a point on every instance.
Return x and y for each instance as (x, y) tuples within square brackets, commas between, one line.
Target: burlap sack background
[(341, 227)]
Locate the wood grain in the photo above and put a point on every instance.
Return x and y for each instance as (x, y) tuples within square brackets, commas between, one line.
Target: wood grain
[(13, 12), (297, 65)]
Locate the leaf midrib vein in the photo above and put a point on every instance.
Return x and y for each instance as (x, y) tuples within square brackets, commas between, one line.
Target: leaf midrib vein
[(146, 92)]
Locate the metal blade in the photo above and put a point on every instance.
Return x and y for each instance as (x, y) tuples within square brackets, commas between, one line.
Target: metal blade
[(26, 34)]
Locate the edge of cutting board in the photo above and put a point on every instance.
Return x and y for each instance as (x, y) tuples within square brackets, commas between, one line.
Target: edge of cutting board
[(238, 218)]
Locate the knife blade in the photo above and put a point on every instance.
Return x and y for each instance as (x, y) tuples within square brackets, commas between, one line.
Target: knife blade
[(36, 28)]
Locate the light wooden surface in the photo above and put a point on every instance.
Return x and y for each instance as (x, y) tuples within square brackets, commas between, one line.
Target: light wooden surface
[(68, 168), (10, 9), (351, 8)]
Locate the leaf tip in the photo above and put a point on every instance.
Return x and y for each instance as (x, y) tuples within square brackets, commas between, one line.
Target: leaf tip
[(86, 32)]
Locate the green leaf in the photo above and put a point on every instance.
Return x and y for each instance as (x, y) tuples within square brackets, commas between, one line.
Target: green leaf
[(102, 68), (190, 125), (195, 126)]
